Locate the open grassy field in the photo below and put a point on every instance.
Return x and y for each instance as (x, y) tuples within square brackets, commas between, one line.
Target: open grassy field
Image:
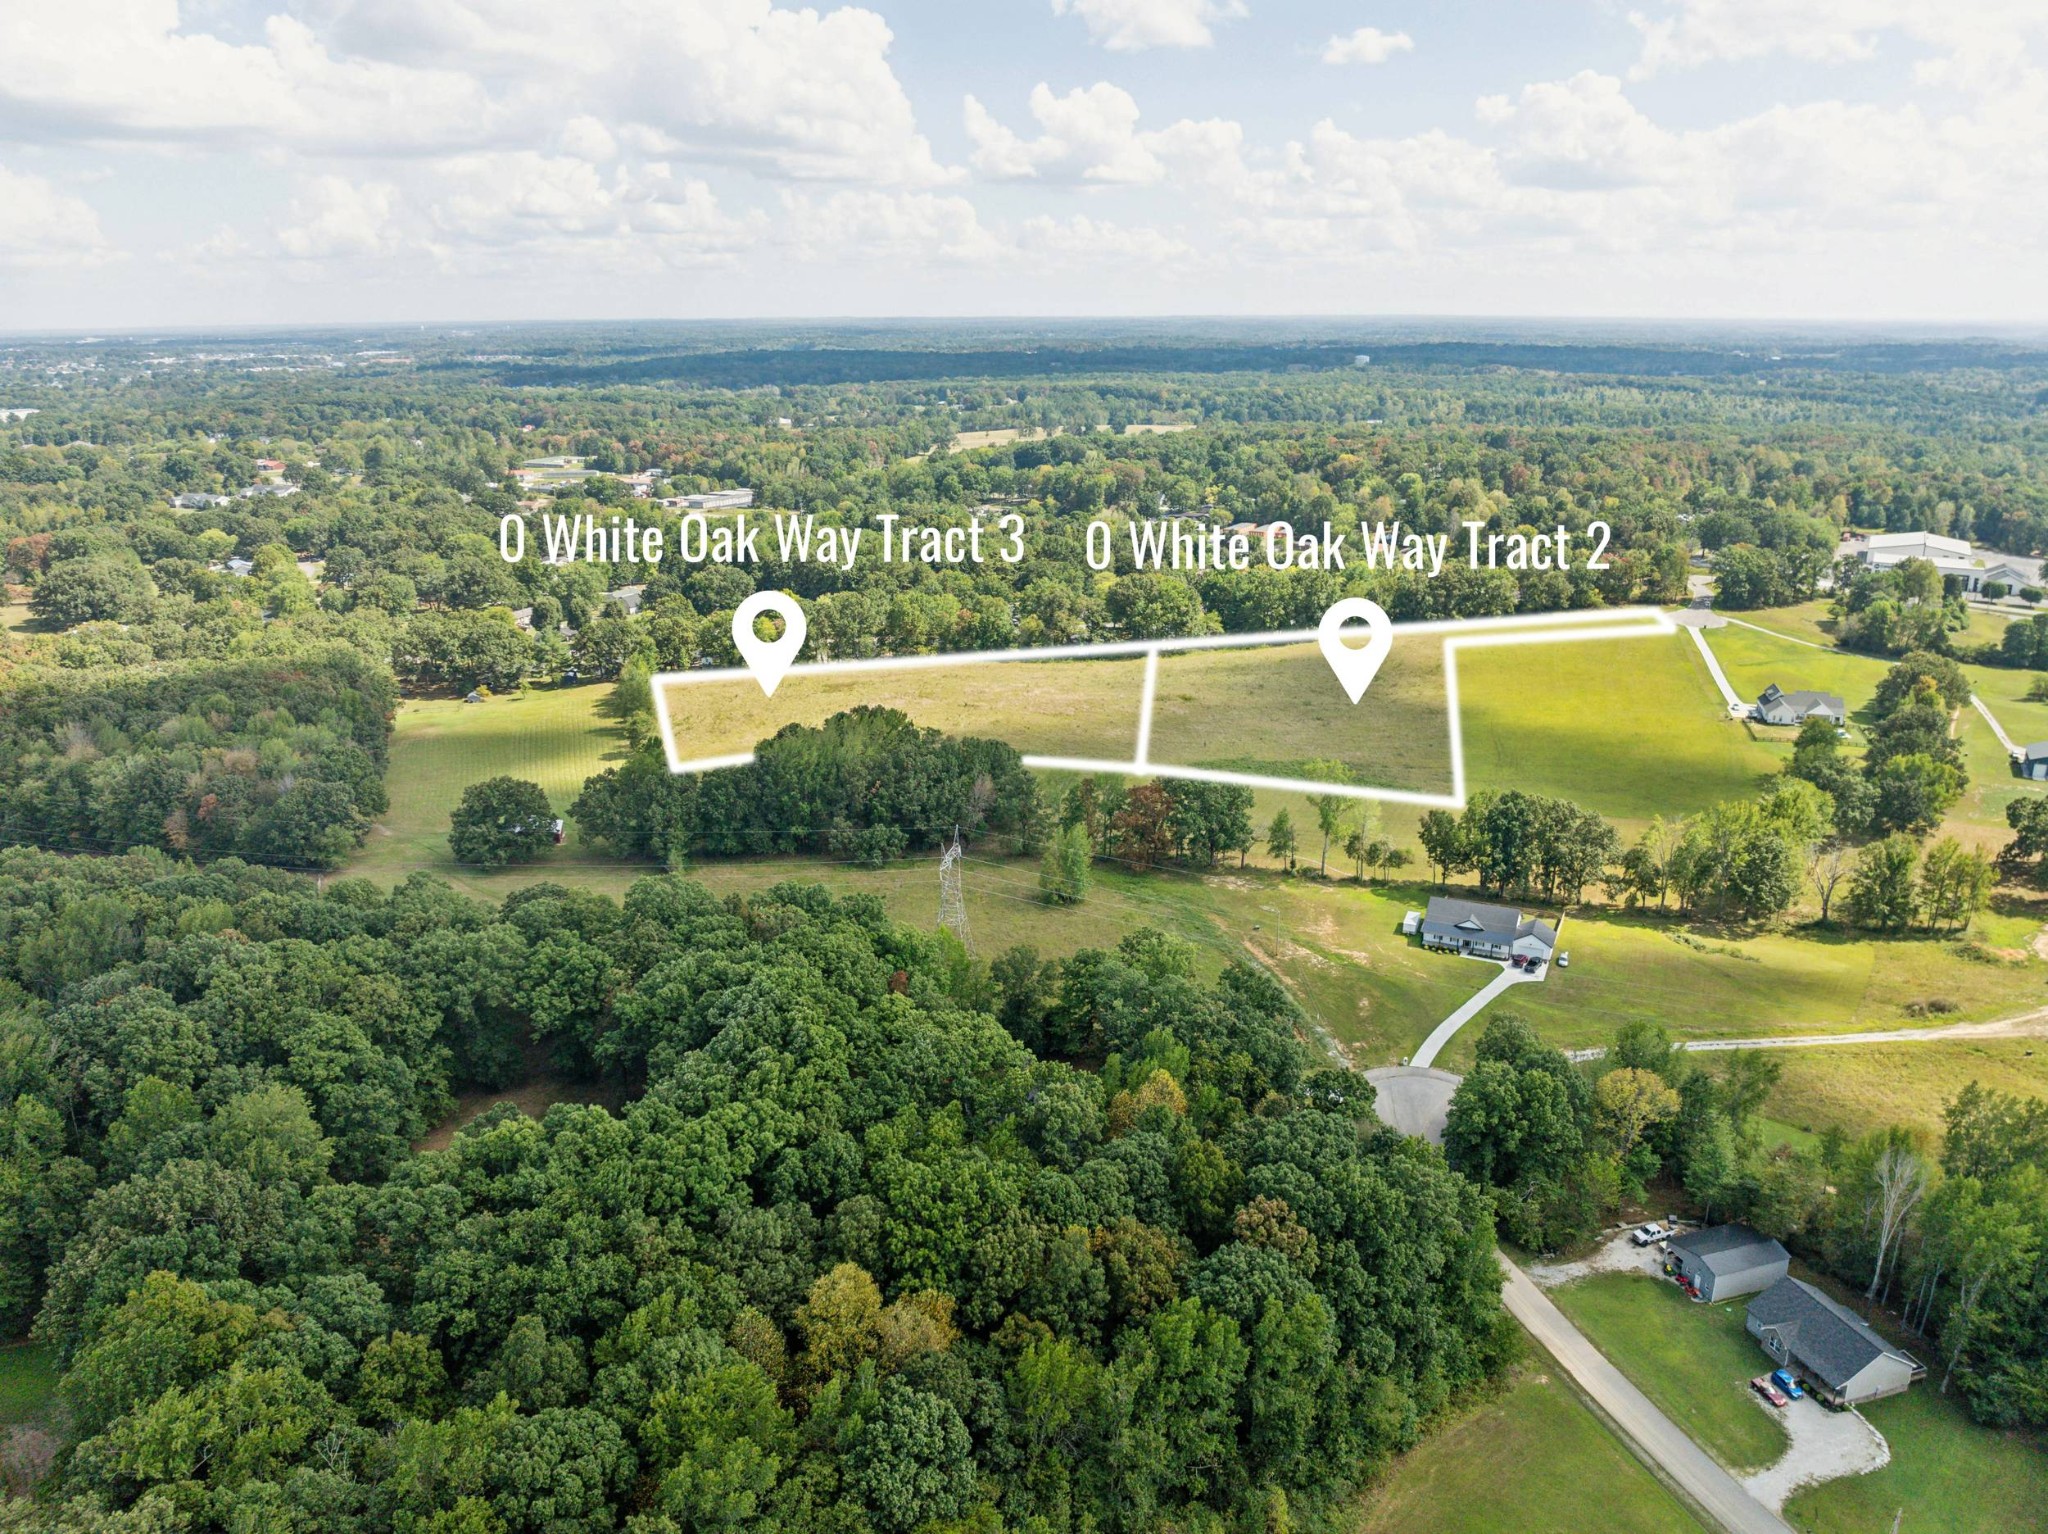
[(28, 1380), (1628, 727), (1535, 1460), (1861, 1087), (556, 737), (1694, 1361), (1753, 660), (1703, 984), (1086, 708), (1949, 1476), (1274, 709)]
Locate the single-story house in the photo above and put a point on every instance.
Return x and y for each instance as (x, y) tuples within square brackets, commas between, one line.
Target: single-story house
[(1841, 1359), (1485, 931), (1778, 706), (2032, 761), (197, 500), (1728, 1260)]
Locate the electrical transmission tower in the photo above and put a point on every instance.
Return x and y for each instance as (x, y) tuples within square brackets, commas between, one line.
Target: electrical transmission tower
[(952, 898)]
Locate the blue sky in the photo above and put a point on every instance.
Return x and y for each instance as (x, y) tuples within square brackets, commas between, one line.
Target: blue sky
[(223, 161)]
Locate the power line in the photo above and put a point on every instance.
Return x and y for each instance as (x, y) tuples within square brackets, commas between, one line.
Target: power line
[(952, 897)]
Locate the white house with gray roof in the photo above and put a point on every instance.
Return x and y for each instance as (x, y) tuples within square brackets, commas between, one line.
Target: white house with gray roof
[(1841, 1359), (1776, 706), (1483, 931), (1727, 1261)]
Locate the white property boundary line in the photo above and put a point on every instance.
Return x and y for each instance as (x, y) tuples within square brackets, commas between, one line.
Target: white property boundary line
[(1460, 634)]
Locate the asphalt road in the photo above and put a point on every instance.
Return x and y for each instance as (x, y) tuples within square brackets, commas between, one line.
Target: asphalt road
[(1655, 1435), (2023, 1025)]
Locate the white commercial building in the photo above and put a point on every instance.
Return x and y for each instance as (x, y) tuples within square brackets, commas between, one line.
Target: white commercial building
[(1951, 556)]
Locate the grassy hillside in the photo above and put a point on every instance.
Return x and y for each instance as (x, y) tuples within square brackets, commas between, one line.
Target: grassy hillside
[(1535, 1460), (1862, 1087), (1628, 727), (1273, 710)]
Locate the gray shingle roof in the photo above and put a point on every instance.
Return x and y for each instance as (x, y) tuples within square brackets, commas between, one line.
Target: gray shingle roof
[(2038, 751), (1730, 1248), (1827, 1339), (1474, 919)]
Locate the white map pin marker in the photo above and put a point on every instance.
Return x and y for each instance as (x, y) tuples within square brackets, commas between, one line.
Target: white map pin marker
[(768, 659), (1355, 668)]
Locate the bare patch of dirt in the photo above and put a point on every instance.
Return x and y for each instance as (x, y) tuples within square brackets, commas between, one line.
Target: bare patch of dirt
[(2040, 944)]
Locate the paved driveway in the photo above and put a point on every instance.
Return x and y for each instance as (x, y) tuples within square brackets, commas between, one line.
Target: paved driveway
[(1659, 1439), (1413, 1099)]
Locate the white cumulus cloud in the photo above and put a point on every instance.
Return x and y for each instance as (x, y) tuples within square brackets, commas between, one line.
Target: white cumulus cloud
[(1367, 45), (1130, 25), (41, 226)]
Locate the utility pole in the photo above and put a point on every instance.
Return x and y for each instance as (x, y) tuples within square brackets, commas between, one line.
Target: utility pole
[(952, 897)]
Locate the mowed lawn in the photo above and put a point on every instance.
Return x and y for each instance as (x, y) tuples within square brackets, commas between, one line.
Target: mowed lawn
[(1085, 708), (556, 737), (1949, 1475), (1858, 1088), (1274, 709), (1701, 983), (1629, 728), (1535, 1460), (1694, 1361), (1753, 660)]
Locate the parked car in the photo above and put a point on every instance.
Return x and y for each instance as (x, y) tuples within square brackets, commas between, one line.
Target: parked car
[(1783, 1379), (1564, 961), (1762, 1386), (1647, 1235)]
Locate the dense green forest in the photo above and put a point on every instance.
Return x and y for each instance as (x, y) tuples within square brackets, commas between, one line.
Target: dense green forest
[(868, 1249)]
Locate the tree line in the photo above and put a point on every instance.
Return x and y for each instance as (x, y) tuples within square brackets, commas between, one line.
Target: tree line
[(1951, 1239)]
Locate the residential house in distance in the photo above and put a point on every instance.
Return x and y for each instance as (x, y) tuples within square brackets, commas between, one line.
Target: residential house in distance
[(1481, 931), (1778, 706), (198, 500), (1841, 1359), (1727, 1261), (627, 597), (1953, 557), (267, 487), (2032, 761)]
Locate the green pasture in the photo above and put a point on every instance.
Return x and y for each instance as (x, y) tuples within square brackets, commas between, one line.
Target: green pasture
[(1858, 1088), (1533, 1460), (1630, 728), (556, 737), (1275, 709), (1085, 708), (1695, 1361), (1703, 983)]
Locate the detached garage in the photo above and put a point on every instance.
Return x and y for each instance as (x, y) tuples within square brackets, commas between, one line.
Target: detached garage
[(1729, 1260)]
